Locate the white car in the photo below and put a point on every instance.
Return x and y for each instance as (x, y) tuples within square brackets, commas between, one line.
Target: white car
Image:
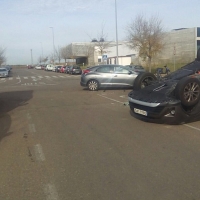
[(3, 72), (38, 67), (49, 67)]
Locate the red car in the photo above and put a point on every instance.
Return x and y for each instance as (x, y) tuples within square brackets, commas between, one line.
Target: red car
[(30, 67), (62, 69)]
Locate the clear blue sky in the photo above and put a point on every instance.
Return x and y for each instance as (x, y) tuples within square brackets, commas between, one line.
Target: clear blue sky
[(25, 23)]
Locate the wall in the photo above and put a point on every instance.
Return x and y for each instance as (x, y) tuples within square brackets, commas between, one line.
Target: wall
[(180, 45)]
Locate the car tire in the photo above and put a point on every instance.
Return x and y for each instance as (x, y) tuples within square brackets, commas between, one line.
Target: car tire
[(143, 79), (93, 85), (188, 91)]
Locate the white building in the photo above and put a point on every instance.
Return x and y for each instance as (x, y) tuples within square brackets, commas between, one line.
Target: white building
[(181, 45)]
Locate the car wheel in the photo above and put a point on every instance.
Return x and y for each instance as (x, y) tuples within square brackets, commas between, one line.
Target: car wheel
[(188, 91), (93, 85), (143, 79)]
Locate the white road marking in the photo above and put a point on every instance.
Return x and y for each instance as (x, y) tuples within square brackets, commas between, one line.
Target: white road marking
[(50, 192), (32, 76), (19, 80), (28, 116), (198, 129), (40, 76), (39, 155), (32, 128), (47, 76), (3, 79), (110, 99), (55, 76), (62, 76), (10, 79), (25, 77)]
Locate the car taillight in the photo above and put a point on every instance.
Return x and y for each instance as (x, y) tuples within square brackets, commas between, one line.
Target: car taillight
[(85, 71)]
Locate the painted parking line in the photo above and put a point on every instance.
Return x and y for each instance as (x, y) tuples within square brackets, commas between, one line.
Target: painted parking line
[(110, 99), (198, 129), (51, 192), (39, 155), (32, 128)]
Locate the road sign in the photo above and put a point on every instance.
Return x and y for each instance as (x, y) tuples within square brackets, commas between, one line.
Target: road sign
[(104, 57)]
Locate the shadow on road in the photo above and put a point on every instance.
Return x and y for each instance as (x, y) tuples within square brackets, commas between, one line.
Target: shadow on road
[(8, 102)]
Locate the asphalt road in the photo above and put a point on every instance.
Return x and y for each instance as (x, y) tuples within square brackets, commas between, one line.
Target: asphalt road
[(59, 141)]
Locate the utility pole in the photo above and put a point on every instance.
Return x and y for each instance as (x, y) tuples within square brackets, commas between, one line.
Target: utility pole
[(31, 58), (42, 49), (117, 61), (53, 44)]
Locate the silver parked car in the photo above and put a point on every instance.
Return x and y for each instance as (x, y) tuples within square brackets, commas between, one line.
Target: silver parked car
[(136, 68), (107, 76), (3, 72)]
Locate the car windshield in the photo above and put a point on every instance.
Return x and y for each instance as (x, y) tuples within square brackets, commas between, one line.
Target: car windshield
[(3, 70)]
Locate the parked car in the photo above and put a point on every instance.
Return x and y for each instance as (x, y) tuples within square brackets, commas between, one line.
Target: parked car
[(54, 68), (102, 76), (30, 67), (173, 99), (8, 68), (75, 70), (136, 68), (38, 67), (62, 69), (58, 68), (49, 67), (43, 67), (4, 72), (67, 69)]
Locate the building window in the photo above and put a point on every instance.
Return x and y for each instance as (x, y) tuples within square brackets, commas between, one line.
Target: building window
[(198, 44), (198, 31)]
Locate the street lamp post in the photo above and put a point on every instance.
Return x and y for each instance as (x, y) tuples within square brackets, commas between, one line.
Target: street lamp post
[(42, 48), (53, 43), (116, 32), (31, 58)]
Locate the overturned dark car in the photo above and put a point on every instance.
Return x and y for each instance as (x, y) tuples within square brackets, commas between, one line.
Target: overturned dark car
[(173, 99)]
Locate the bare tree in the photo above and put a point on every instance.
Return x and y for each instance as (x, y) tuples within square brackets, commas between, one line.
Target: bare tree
[(58, 54), (146, 36), (100, 42), (2, 56), (64, 53), (45, 59), (88, 49), (42, 59)]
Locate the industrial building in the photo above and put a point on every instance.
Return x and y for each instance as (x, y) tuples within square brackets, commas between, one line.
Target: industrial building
[(180, 45)]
